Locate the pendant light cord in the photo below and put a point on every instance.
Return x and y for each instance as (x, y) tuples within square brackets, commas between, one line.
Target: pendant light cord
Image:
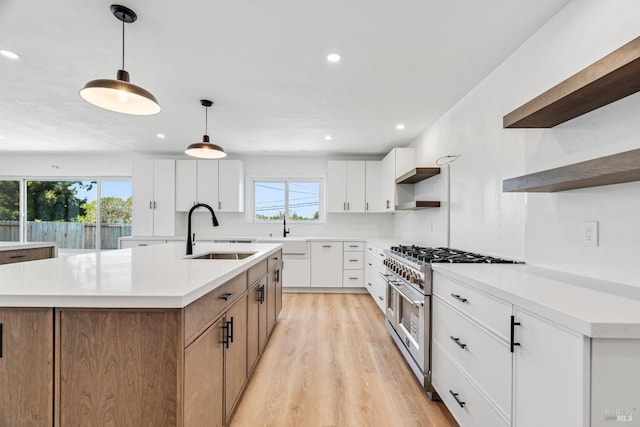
[(123, 44), (206, 121)]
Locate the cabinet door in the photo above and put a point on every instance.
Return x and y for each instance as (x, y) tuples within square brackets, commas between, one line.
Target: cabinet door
[(26, 367), (231, 186), (142, 198), (278, 291), (336, 186), (388, 184), (186, 184), (326, 264), (355, 186), (236, 355), (373, 187), (370, 273), (164, 194), (271, 299), (203, 379), (253, 324), (550, 374), (207, 183)]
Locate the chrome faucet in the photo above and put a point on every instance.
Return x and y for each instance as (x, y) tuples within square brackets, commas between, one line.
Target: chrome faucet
[(213, 218), (285, 230)]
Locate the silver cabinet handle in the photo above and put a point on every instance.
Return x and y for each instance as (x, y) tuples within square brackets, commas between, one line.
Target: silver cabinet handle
[(344, 206), (219, 205), (150, 204), (348, 208), (327, 246), (367, 205)]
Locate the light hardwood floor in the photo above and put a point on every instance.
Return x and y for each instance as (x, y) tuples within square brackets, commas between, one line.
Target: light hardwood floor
[(331, 362)]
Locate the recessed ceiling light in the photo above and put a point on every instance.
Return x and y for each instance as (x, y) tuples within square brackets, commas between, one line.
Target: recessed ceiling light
[(400, 126), (161, 135), (328, 137), (334, 57), (9, 54)]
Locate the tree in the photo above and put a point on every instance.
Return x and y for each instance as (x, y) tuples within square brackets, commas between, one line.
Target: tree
[(9, 200), (56, 200), (114, 211)]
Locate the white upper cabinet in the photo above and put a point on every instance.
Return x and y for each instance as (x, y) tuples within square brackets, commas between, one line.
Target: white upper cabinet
[(395, 164), (346, 186), (230, 186), (373, 187), (153, 197), (218, 183)]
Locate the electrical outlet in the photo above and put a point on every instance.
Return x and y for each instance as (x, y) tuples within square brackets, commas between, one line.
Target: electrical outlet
[(590, 233)]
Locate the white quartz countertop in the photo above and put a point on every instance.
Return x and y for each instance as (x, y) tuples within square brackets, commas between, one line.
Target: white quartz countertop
[(158, 276), (591, 307), (10, 246)]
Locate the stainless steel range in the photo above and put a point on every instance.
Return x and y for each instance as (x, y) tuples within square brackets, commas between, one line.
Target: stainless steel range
[(409, 283)]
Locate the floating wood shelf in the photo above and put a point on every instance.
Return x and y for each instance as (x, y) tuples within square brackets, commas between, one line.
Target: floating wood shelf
[(614, 169), (611, 78), (417, 175), (415, 205)]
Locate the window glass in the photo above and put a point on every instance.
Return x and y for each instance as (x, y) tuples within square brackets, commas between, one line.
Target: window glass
[(269, 198), (304, 201), (57, 212), (9, 211), (299, 200), (115, 212)]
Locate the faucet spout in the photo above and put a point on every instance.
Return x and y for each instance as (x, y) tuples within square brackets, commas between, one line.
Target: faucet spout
[(214, 220)]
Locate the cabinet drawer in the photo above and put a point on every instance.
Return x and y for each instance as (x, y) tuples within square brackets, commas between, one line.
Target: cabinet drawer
[(353, 246), (200, 313), (274, 260), (352, 279), (489, 311), (353, 260), (22, 255), (256, 272), (483, 356), (447, 379)]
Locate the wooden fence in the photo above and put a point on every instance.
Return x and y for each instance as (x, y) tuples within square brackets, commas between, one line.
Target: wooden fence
[(67, 235)]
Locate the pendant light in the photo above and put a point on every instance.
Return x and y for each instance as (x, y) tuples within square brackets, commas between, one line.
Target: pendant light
[(205, 149), (119, 95)]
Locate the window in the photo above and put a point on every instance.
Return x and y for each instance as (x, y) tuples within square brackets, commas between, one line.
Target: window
[(299, 200), (115, 212), (9, 211)]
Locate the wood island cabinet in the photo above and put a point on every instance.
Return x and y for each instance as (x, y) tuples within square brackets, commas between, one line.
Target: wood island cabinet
[(26, 367)]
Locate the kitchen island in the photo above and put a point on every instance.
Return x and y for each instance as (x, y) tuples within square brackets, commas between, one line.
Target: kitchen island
[(141, 337)]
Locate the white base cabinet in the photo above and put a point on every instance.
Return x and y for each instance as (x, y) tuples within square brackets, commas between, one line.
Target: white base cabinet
[(373, 267), (296, 273), (326, 264)]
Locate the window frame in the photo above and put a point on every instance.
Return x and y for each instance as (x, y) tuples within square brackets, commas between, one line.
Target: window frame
[(252, 199)]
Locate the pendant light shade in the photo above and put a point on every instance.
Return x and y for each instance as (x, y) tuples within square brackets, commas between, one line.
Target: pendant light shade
[(205, 149), (120, 95)]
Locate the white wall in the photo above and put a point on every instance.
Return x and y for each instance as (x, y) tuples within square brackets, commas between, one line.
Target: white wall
[(64, 165), (543, 229)]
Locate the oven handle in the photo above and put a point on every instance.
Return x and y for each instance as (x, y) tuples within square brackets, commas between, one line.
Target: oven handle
[(385, 277)]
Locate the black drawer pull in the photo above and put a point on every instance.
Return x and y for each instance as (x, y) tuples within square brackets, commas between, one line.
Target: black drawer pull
[(231, 329), (327, 246), (380, 298), (261, 294), (227, 296), (457, 341), (455, 396), (225, 327), (353, 246), (0, 340), (353, 278), (17, 256), (370, 265), (459, 298), (369, 283), (353, 260), (512, 342)]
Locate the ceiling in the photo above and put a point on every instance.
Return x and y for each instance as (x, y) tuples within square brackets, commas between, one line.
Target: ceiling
[(262, 62)]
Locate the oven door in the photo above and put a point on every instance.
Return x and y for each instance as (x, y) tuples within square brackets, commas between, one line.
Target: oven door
[(391, 301), (412, 322)]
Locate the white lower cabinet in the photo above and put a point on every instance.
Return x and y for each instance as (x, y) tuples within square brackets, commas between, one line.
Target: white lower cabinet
[(466, 403), (326, 264), (296, 273), (353, 264), (508, 365), (551, 374), (373, 267)]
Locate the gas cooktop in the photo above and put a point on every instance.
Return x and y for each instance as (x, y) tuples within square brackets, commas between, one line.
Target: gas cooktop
[(431, 255)]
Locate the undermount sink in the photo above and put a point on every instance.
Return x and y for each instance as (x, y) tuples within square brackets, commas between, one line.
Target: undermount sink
[(224, 255)]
